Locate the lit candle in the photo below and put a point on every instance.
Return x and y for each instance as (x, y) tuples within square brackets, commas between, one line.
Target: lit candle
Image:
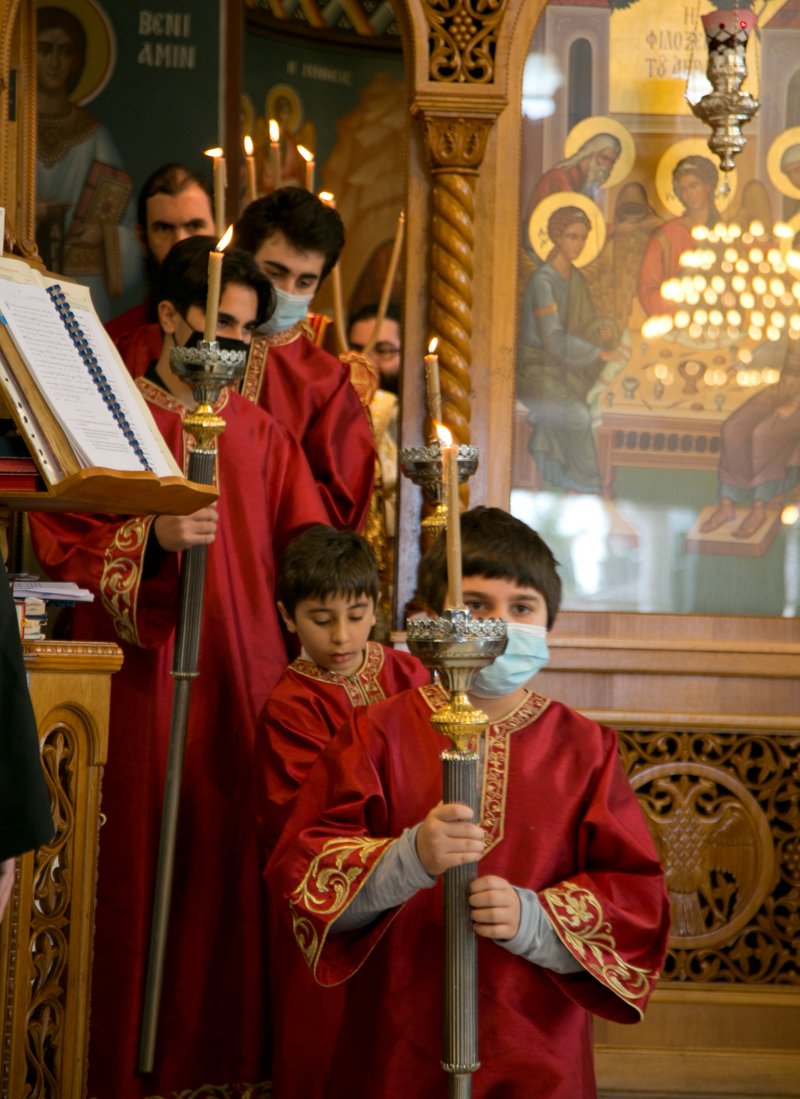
[(336, 285), (275, 152), (308, 157), (219, 189), (214, 286), (432, 381), (251, 168), (453, 531)]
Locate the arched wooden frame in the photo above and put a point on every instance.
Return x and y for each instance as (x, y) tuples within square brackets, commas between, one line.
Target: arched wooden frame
[(490, 111), (18, 136)]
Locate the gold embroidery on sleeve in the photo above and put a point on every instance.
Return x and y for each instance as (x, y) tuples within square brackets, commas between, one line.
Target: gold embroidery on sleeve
[(122, 575), (257, 359), (327, 889), (578, 921)]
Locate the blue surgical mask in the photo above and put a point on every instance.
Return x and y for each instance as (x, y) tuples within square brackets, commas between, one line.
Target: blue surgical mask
[(289, 309), (526, 654)]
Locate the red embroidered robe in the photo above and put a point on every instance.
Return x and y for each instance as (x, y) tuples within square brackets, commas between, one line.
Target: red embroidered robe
[(300, 718), (561, 819), (212, 1024), (308, 391)]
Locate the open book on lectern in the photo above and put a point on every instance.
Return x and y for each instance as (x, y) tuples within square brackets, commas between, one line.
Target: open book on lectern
[(87, 427)]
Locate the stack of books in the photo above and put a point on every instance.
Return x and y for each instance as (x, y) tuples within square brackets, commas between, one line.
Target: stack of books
[(33, 597)]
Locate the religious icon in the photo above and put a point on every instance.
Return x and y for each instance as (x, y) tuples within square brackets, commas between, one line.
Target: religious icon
[(599, 152), (568, 354), (284, 106), (783, 168), (85, 219)]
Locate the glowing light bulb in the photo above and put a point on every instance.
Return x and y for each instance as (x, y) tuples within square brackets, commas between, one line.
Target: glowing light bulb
[(790, 514), (773, 333), (756, 255), (718, 283), (682, 319), (794, 322), (760, 285), (661, 372), (700, 316), (778, 319), (700, 232), (692, 297), (758, 318), (770, 377), (754, 332), (695, 331), (734, 316), (738, 283), (746, 300), (731, 255), (742, 266), (699, 282), (715, 317), (769, 301), (781, 229), (710, 296), (745, 356), (757, 228)]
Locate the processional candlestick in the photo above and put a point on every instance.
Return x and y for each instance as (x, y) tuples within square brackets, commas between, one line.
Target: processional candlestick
[(207, 369), (458, 647)]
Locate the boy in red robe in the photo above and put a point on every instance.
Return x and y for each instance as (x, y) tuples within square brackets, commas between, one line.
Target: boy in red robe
[(296, 239), (212, 1023), (570, 906), (328, 589)]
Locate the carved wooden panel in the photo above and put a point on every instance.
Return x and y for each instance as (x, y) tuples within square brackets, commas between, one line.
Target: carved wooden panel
[(724, 810), (46, 942), (463, 39)]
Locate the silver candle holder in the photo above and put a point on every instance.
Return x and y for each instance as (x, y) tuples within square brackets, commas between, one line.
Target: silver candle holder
[(423, 466), (458, 646)]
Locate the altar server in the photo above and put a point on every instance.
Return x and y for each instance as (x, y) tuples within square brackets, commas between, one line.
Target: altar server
[(296, 240), (569, 905), (212, 1027), (328, 589)]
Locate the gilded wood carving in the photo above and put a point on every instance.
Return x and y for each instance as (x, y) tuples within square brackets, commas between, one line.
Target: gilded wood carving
[(463, 39), (724, 811)]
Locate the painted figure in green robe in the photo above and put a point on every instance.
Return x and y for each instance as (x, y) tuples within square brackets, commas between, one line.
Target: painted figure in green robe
[(563, 349)]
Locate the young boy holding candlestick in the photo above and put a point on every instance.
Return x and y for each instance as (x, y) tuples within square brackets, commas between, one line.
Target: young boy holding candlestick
[(327, 589), (212, 1027), (569, 905)]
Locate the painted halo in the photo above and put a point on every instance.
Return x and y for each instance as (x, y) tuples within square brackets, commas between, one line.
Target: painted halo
[(287, 92), (778, 147), (540, 238), (690, 146), (101, 46), (601, 124)]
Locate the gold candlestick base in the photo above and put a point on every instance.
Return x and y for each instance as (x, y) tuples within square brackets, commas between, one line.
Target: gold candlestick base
[(423, 466)]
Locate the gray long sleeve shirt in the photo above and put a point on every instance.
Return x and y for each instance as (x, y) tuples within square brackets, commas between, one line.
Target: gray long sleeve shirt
[(399, 874)]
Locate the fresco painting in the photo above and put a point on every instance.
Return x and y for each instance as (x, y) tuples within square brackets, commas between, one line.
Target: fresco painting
[(658, 404)]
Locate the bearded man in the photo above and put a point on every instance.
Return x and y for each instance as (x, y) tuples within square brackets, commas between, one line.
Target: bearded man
[(584, 172), (175, 202)]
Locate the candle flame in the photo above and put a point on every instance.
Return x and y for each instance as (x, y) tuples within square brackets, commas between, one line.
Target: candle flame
[(444, 435), (304, 153), (274, 130), (225, 240), (248, 144), (433, 345), (213, 152), (327, 198)]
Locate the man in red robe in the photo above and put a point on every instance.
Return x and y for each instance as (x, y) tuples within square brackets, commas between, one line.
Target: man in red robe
[(175, 202), (296, 240), (570, 906), (584, 172), (694, 181), (328, 590), (212, 1028)]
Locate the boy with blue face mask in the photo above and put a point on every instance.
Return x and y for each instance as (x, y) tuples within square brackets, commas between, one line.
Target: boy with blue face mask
[(569, 905), (296, 239)]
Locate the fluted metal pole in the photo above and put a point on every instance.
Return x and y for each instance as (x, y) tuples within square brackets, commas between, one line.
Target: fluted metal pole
[(460, 784), (184, 670)]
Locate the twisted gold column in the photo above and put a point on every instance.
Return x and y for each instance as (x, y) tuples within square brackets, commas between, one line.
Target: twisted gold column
[(451, 294), (454, 146)]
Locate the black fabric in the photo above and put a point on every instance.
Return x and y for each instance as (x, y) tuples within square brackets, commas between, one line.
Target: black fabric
[(25, 820), (153, 376)]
